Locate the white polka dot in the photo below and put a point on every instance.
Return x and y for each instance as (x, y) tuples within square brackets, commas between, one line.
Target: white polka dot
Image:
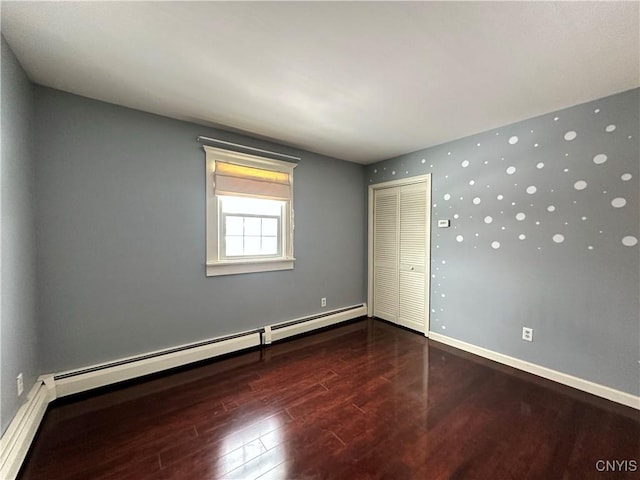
[(465, 164), (456, 216), (477, 234), (583, 218), (535, 145), (555, 119), (551, 208), (522, 236), (459, 238), (375, 170), (393, 172), (478, 144), (476, 201), (513, 140), (590, 247), (520, 216), (570, 135), (531, 189), (448, 153), (472, 182), (540, 165), (500, 197), (406, 172), (565, 170), (488, 219), (580, 185), (626, 177), (629, 241), (442, 295), (511, 170), (610, 128), (597, 110), (503, 228), (558, 238), (495, 245), (444, 262), (423, 160), (600, 159), (447, 196), (618, 202)]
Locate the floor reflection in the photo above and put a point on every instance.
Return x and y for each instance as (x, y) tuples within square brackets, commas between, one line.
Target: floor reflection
[(253, 448)]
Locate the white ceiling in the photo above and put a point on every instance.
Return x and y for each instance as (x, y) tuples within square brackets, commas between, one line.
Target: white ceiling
[(360, 81)]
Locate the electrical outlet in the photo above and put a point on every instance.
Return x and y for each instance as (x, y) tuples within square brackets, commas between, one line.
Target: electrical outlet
[(323, 302), (20, 383), (527, 334)]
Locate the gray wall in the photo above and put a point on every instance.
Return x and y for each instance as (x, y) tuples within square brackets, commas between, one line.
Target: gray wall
[(18, 326), (563, 268), (121, 228)]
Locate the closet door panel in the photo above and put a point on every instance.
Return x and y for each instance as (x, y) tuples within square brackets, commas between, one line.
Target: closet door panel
[(386, 254), (413, 255)]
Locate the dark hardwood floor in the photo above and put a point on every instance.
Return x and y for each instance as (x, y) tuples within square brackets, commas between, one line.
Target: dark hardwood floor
[(363, 400)]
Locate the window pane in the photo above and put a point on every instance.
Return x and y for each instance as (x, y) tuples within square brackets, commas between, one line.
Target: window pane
[(270, 227), (252, 246), (233, 246), (252, 226), (253, 206), (269, 245), (234, 226)]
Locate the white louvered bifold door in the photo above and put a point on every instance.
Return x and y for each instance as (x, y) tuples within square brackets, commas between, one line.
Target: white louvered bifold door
[(401, 255), (413, 256), (386, 254)]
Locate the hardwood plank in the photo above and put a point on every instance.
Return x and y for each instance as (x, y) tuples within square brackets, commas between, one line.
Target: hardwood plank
[(365, 400)]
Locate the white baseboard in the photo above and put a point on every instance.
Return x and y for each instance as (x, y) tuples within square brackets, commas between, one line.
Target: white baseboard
[(279, 333), (15, 443), (563, 378), (156, 363)]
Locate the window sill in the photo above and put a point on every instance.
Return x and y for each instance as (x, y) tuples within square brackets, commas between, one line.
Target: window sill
[(235, 267)]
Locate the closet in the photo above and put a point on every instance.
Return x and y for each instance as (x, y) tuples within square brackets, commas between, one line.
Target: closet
[(399, 227)]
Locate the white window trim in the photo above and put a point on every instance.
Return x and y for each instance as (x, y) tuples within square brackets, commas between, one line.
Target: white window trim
[(215, 265)]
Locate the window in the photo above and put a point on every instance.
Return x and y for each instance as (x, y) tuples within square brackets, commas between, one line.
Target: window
[(249, 213)]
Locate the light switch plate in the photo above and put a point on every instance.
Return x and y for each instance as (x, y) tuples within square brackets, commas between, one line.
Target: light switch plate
[(444, 223)]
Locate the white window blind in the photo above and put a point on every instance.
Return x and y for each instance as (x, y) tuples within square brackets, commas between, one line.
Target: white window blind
[(238, 180)]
